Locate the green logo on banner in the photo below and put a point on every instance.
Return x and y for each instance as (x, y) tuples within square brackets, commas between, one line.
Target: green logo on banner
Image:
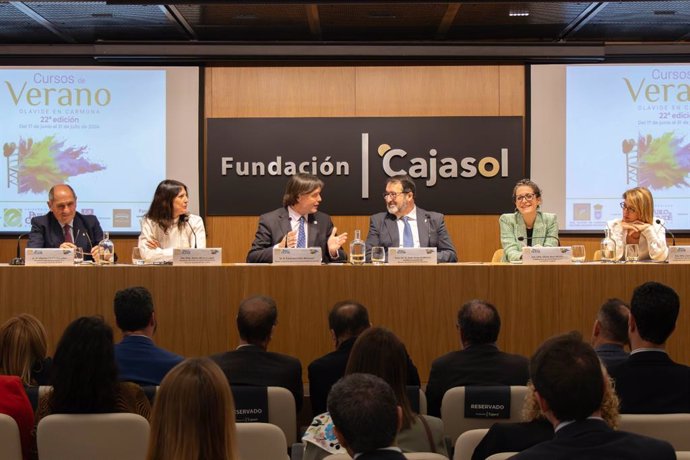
[(12, 217)]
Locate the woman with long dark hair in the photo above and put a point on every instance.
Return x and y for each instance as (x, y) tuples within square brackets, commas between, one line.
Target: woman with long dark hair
[(85, 377), (168, 224)]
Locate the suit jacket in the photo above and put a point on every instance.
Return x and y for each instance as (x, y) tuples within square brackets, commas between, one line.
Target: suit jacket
[(611, 354), (140, 361), (649, 382), (383, 231), (382, 455), (593, 439), (328, 369), (513, 437), (46, 232), (476, 365), (512, 227), (273, 226), (252, 365)]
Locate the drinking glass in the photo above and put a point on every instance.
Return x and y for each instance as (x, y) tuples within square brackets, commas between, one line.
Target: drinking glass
[(579, 253), (137, 258), (78, 255), (632, 252), (378, 255)]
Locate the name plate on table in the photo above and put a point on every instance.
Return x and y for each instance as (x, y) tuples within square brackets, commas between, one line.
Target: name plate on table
[(305, 256), (679, 254), (198, 256), (409, 256), (49, 256), (546, 255)]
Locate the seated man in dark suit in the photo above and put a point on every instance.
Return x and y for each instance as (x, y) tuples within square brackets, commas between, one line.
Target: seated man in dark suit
[(649, 382), (298, 224), (406, 225), (569, 387), (63, 227), (366, 417), (610, 332), (251, 363), (347, 320), (480, 362), (138, 358)]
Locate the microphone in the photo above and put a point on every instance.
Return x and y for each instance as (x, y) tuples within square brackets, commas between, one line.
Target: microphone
[(86, 234), (658, 221), (185, 219), (19, 260), (522, 238)]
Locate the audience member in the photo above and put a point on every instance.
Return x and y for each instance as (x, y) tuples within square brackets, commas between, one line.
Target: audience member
[(346, 321), (138, 358), (649, 382), (251, 363), (516, 437), (379, 352), (366, 417), (569, 386), (15, 403), (610, 332), (194, 415), (85, 375), (480, 362), (23, 349)]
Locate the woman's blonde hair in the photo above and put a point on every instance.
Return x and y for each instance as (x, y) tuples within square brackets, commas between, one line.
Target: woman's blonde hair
[(609, 403), (193, 415), (641, 199), (23, 345)]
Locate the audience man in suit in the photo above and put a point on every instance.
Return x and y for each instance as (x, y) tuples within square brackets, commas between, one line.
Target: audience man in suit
[(366, 417), (610, 332), (406, 225), (346, 321), (298, 224), (649, 382), (569, 387), (251, 363), (138, 358), (64, 227), (480, 362)]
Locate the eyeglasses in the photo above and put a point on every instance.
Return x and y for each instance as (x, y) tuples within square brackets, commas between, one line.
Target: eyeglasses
[(627, 208), (392, 195), (526, 196)]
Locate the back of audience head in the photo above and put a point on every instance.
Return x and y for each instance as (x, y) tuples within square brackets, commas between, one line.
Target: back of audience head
[(379, 352), (193, 415), (133, 309), (612, 322), (654, 310), (478, 323), (347, 319), (23, 347), (365, 413), (567, 375), (256, 318), (84, 370)]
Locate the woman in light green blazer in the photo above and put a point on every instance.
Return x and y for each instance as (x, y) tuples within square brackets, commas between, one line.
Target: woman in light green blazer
[(527, 226)]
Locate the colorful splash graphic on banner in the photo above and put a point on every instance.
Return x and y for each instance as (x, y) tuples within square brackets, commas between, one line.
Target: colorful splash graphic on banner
[(34, 167), (658, 163)]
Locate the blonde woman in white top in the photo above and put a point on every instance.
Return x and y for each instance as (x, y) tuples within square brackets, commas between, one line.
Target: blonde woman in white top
[(639, 226), (168, 225)]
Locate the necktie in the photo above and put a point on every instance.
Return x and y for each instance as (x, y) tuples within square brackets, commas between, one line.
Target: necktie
[(68, 234), (301, 236), (408, 240)]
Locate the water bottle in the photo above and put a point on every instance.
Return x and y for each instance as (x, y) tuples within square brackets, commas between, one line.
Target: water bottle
[(358, 249), (106, 250), (608, 247)]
